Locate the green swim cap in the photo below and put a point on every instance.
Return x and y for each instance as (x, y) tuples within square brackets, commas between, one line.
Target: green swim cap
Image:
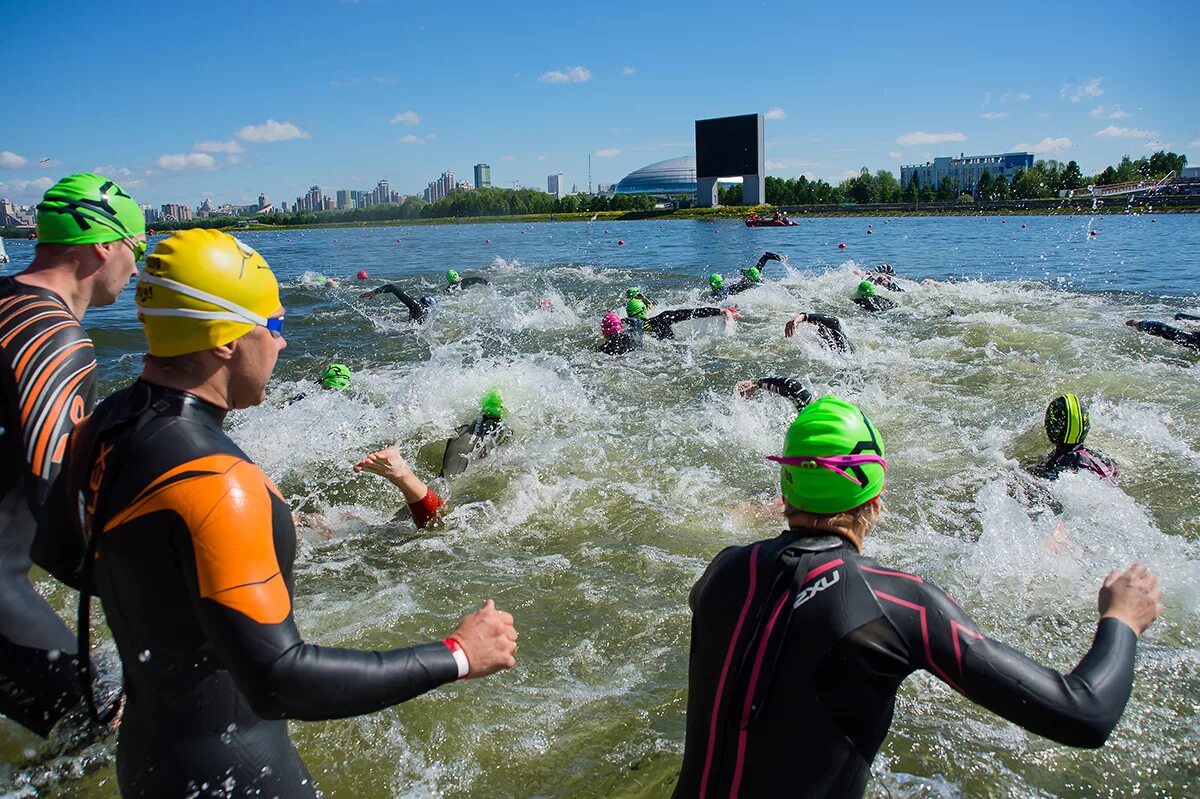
[(716, 281), (866, 289), (88, 209), (632, 292), (1067, 420), (635, 309), (336, 375), (754, 274), (492, 404), (827, 428), (452, 276)]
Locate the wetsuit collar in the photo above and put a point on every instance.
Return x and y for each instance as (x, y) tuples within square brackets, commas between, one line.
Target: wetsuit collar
[(816, 540), (166, 401)]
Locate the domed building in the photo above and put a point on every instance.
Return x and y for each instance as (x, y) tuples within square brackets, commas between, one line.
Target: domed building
[(673, 176)]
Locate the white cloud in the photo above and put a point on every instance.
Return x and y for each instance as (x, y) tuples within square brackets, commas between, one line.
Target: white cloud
[(1194, 143), (776, 113), (508, 158), (11, 160), (186, 161), (112, 172), (1113, 132), (994, 115), (272, 131), (1023, 96), (1077, 93), (628, 70), (422, 140), (894, 154), (1100, 112), (776, 165), (1045, 146), (25, 189), (921, 137), (849, 173), (572, 75), (231, 147), (543, 157), (1042, 115), (608, 152), (410, 118), (1154, 146)]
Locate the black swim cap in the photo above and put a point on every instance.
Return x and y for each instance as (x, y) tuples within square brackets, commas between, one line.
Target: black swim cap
[(1067, 420)]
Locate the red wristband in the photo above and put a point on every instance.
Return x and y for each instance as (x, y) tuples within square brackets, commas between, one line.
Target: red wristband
[(425, 509), (460, 657)]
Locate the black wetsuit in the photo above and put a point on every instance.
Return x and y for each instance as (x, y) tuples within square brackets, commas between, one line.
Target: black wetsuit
[(875, 303), (466, 282), (660, 325), (626, 341), (1162, 330), (418, 307), (473, 442), (1068, 458), (787, 387), (744, 284), (829, 331), (47, 384), (194, 568), (799, 645), (1181, 316)]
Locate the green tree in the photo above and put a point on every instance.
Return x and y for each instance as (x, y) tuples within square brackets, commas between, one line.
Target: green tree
[(946, 191), (1071, 177), (1000, 190), (912, 191), (887, 186), (983, 187)]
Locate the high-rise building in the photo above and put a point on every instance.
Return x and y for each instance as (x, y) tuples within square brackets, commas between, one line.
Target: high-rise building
[(483, 176), (447, 182), (314, 198), (382, 193), (966, 170), (263, 202), (343, 199), (176, 213), (556, 185)]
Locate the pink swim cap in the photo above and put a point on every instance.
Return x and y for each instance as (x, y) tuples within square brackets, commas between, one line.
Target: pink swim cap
[(611, 325)]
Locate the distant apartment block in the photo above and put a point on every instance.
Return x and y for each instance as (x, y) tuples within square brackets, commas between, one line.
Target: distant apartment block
[(483, 176), (556, 185), (965, 171), (172, 212)]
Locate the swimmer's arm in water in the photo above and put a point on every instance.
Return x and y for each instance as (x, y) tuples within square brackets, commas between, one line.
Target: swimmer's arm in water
[(1077, 709), (1163, 330), (244, 605), (787, 387), (767, 256), (387, 463), (1181, 317)]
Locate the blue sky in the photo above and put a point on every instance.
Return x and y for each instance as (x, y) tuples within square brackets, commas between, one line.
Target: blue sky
[(186, 101)]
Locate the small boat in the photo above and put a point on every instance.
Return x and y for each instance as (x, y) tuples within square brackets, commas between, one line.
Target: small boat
[(3, 254), (756, 222)]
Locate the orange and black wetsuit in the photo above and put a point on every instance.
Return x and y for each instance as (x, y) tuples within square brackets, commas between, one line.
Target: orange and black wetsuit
[(47, 384), (799, 644), (194, 551)]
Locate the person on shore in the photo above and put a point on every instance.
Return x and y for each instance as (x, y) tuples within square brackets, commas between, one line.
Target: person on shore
[(752, 277), (1163, 330), (190, 547), (418, 307), (865, 298), (829, 330), (1067, 425), (800, 643), (659, 326), (91, 236), (455, 282), (789, 388)]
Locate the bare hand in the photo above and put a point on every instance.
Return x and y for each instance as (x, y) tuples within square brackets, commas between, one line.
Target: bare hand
[(1131, 597), (386, 463), (1131, 322), (730, 314), (746, 388), (488, 639), (789, 329)]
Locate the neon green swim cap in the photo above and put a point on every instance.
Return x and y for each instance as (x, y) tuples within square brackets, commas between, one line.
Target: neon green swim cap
[(452, 276), (336, 375), (866, 289), (716, 281), (754, 274), (635, 309), (827, 482), (88, 209), (632, 292), (492, 404)]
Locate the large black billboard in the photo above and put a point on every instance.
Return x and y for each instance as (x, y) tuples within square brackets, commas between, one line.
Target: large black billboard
[(727, 146)]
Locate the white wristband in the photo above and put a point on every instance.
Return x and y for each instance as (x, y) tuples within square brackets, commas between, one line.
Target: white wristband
[(460, 657)]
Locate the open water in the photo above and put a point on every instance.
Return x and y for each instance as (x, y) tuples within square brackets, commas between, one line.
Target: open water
[(626, 475)]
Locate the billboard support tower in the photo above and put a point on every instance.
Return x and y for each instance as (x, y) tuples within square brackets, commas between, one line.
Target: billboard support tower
[(728, 147)]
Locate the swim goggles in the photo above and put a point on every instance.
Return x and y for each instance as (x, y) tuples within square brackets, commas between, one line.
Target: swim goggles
[(232, 313), (832, 463)]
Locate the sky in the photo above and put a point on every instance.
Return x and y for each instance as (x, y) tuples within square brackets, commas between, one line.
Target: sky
[(181, 102)]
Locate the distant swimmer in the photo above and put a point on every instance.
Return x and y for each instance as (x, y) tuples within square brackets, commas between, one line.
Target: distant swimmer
[(618, 340), (716, 285), (456, 282), (1186, 317), (635, 293), (328, 282), (660, 326), (478, 439), (1067, 426), (789, 388), (1163, 330), (884, 276), (829, 330), (418, 307), (866, 299), (424, 505), (752, 277)]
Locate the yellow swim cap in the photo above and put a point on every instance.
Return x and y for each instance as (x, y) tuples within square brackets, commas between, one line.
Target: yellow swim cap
[(201, 289)]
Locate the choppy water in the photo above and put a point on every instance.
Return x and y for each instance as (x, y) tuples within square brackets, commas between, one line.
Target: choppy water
[(626, 475)]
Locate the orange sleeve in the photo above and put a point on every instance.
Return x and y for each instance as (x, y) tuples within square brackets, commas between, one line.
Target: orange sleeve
[(425, 510)]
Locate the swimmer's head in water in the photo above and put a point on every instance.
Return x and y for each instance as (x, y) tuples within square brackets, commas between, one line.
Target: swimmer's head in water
[(754, 273), (201, 289), (85, 208), (336, 376), (611, 325), (452, 276), (866, 289), (492, 404), (716, 281), (833, 458), (633, 292), (1067, 420), (636, 309)]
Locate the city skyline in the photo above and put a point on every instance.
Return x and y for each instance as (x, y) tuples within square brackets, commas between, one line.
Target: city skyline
[(875, 86)]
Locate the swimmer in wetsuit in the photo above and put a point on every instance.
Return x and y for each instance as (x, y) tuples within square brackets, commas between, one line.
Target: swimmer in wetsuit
[(716, 286), (752, 277), (476, 440), (418, 307), (865, 298), (458, 283), (91, 234), (638, 318), (618, 340), (800, 643), (1067, 426), (829, 330), (193, 551), (635, 293), (789, 388), (1163, 330)]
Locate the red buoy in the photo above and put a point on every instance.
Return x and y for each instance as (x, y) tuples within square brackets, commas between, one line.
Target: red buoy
[(1093, 233), (621, 242), (842, 245), (362, 274), (869, 231)]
